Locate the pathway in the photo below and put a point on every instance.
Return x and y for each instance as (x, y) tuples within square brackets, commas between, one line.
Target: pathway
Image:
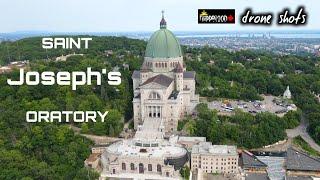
[(302, 131), (96, 139)]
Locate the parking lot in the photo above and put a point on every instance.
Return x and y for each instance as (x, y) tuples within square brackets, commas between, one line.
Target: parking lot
[(227, 107)]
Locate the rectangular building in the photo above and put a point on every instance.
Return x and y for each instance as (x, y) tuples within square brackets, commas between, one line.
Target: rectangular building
[(214, 158)]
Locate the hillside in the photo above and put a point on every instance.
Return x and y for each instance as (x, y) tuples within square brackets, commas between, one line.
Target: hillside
[(52, 151)]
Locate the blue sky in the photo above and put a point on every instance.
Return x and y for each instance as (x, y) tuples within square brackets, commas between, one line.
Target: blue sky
[(137, 15)]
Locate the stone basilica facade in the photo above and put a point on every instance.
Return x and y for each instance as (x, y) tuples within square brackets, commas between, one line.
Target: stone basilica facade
[(164, 92)]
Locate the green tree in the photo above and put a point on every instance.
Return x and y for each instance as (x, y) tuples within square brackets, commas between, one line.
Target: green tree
[(185, 172), (84, 128)]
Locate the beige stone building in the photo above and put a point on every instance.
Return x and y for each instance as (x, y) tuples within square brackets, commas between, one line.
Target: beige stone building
[(163, 90), (163, 93), (188, 141), (210, 158), (145, 158), (93, 161)]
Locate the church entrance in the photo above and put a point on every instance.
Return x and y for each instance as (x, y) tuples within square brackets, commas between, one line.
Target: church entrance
[(154, 111), (141, 168)]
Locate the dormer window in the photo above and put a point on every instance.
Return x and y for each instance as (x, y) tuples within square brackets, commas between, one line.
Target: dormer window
[(154, 96)]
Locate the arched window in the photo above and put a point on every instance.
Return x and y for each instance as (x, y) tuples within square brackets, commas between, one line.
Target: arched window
[(159, 168), (123, 166), (149, 167), (154, 95), (132, 166)]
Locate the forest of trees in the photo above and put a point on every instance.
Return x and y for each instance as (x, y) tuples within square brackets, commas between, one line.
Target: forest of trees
[(31, 48), (254, 73), (53, 151), (242, 129), (41, 150)]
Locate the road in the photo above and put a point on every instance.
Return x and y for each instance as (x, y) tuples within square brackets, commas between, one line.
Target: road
[(96, 139), (302, 131)]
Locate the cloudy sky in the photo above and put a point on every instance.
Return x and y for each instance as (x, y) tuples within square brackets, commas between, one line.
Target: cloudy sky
[(138, 15)]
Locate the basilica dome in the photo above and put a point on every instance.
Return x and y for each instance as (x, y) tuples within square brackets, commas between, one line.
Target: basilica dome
[(163, 44)]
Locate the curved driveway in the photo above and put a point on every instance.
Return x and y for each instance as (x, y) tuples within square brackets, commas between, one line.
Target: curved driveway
[(302, 131)]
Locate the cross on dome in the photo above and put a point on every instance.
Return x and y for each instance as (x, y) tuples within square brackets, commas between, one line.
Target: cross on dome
[(163, 23)]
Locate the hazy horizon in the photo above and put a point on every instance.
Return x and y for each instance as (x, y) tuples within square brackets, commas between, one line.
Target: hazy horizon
[(177, 31), (139, 15)]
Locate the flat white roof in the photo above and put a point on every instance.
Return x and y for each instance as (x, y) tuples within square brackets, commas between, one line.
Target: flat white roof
[(192, 139), (137, 176), (162, 149), (208, 148)]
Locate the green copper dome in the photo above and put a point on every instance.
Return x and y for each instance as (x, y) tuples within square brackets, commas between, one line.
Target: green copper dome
[(163, 44)]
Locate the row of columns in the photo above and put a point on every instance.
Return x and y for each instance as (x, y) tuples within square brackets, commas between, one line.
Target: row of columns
[(154, 111)]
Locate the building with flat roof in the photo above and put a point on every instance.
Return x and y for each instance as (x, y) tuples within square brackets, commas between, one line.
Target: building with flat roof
[(189, 141), (148, 156), (214, 158), (98, 149)]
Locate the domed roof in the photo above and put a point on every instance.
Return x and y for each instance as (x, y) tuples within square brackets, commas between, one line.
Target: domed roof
[(163, 44)]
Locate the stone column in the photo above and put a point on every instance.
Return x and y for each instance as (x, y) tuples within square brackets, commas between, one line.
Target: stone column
[(157, 111)]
